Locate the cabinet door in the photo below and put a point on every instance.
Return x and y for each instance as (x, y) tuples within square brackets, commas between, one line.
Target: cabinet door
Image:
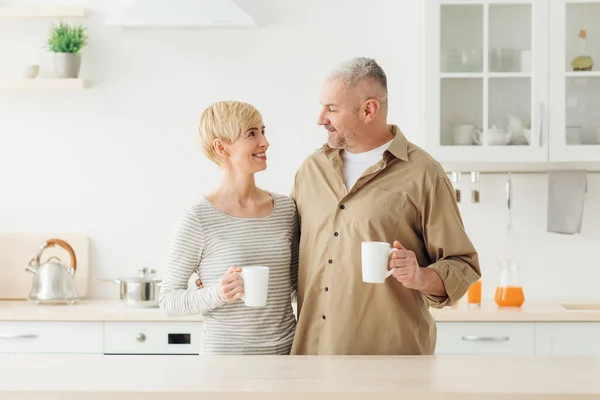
[(152, 337), (51, 337), (567, 339), (486, 80), (502, 338), (575, 81)]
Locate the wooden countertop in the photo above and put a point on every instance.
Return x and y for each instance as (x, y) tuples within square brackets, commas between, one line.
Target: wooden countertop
[(533, 311), (87, 377), (114, 310), (86, 310)]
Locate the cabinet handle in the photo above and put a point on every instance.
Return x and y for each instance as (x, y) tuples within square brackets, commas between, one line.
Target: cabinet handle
[(15, 337), (540, 130), (141, 337), (486, 338)]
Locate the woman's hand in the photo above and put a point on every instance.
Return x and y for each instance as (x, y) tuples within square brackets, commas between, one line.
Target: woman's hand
[(230, 286)]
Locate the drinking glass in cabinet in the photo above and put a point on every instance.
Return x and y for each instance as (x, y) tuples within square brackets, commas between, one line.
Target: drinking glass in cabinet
[(502, 59), (454, 60), (510, 33), (582, 102), (461, 38), (581, 34)]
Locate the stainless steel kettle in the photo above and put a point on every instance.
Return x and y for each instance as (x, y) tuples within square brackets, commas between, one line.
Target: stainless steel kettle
[(53, 281)]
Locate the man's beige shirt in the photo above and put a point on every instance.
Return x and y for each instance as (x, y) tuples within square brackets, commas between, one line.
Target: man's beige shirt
[(406, 196)]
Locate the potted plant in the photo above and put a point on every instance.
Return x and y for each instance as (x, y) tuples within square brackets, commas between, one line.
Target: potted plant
[(66, 43)]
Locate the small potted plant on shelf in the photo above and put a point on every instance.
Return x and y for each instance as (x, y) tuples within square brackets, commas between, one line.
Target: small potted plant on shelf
[(66, 43)]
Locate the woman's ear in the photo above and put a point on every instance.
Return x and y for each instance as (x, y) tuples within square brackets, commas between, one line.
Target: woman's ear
[(220, 149)]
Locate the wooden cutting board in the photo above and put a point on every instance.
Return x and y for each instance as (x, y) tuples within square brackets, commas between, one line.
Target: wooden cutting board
[(17, 249)]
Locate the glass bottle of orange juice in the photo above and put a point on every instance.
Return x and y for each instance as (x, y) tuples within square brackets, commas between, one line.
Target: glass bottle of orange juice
[(509, 292)]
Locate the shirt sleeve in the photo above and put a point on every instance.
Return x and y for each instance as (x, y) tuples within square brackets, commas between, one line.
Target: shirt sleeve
[(295, 238), (454, 257), (184, 256)]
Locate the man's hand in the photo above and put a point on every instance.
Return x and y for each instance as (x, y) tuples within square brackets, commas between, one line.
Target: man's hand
[(199, 283), (405, 267), (407, 271)]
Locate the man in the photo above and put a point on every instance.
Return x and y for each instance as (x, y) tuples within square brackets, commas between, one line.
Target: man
[(368, 183)]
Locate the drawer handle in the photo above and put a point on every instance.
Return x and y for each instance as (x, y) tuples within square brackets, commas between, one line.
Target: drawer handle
[(486, 338), (141, 338), (15, 337)]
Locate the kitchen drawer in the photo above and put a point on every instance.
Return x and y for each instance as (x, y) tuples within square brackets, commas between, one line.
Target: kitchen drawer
[(152, 337), (502, 338), (51, 337), (567, 339)]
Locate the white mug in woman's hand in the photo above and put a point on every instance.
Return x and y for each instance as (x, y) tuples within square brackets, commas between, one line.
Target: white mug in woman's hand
[(375, 257), (256, 285)]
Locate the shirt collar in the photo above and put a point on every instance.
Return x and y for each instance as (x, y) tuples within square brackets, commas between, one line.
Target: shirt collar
[(398, 148)]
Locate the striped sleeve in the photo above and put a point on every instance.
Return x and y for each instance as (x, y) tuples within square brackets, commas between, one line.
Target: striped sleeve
[(295, 249), (184, 256)]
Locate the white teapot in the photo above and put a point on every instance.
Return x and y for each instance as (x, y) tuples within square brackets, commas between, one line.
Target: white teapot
[(496, 137), (517, 131)]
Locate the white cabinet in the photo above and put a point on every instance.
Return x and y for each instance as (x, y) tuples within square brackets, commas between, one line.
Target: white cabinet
[(51, 337), (120, 337), (152, 337), (100, 337), (519, 338), (575, 95), (499, 85), (502, 338), (573, 338)]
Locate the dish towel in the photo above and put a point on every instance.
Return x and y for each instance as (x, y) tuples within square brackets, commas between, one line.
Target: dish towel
[(566, 196)]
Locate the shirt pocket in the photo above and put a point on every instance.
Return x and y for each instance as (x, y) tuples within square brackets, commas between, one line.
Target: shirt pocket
[(379, 211)]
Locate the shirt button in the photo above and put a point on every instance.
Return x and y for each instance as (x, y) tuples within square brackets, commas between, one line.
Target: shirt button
[(330, 261), (323, 317), (326, 289), (336, 234), (342, 206)]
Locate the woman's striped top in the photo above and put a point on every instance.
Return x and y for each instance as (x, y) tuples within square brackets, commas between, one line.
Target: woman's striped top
[(212, 241)]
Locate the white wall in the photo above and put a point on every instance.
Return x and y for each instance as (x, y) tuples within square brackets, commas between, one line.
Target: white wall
[(120, 161)]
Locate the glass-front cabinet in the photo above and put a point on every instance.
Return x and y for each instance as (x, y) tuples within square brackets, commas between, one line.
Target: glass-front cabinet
[(575, 80), (512, 80)]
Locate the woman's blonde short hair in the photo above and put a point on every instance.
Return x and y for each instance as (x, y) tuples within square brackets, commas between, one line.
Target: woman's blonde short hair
[(225, 120)]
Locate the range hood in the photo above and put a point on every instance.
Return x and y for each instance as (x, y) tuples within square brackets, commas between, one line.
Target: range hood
[(181, 14)]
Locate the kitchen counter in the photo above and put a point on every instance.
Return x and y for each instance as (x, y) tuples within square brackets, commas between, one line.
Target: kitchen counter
[(95, 377), (86, 310), (534, 311), (114, 310)]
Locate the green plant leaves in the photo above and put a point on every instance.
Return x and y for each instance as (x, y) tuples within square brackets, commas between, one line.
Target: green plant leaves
[(66, 39)]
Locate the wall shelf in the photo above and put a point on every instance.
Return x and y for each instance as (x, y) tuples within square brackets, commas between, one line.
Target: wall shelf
[(40, 12), (582, 74), (43, 84), (522, 168)]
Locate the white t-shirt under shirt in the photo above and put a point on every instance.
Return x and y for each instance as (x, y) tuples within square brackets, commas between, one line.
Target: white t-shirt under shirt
[(356, 164)]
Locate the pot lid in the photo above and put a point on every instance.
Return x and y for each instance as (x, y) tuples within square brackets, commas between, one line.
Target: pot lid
[(144, 275)]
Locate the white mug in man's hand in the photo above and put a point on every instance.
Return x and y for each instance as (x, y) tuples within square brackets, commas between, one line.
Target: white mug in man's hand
[(255, 280), (375, 258)]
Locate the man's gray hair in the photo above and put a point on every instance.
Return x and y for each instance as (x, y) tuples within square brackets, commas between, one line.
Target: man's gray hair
[(359, 69)]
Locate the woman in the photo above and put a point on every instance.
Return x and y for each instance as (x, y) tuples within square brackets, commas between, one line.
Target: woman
[(237, 224)]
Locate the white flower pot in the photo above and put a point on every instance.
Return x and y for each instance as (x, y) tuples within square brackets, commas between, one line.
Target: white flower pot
[(67, 65)]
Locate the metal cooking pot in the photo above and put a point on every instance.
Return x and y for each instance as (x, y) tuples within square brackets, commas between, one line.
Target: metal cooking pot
[(139, 291)]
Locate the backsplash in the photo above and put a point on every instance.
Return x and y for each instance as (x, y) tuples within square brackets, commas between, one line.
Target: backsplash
[(120, 161), (554, 265)]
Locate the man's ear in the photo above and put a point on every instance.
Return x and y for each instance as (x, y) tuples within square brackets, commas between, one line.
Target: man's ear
[(370, 109)]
